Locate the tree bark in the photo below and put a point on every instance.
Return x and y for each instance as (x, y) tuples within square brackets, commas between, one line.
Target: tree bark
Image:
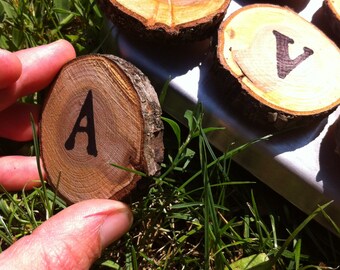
[(283, 74), (327, 18), (337, 136), (100, 110), (163, 21)]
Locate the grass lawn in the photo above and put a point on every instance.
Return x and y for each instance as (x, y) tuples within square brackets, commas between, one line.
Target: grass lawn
[(203, 211)]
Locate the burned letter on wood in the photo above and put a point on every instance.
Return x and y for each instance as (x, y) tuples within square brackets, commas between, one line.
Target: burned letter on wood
[(284, 63), (86, 111)]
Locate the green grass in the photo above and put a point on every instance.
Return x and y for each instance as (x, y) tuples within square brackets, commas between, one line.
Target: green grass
[(202, 212), (28, 23)]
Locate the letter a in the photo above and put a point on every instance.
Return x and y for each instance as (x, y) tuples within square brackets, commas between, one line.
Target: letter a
[(86, 111), (284, 64)]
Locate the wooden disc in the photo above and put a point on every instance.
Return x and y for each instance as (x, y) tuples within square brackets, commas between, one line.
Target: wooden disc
[(337, 136), (334, 6), (327, 18), (183, 19), (100, 110), (296, 5), (281, 61)]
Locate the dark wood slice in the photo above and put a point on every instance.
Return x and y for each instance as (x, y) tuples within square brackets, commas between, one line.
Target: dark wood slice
[(296, 5), (160, 20), (327, 18), (100, 110), (285, 66), (337, 136)]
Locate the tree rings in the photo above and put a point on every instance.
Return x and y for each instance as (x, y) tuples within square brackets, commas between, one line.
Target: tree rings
[(101, 110)]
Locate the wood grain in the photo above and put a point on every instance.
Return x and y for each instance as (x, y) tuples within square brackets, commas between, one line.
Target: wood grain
[(280, 60), (160, 20), (100, 110)]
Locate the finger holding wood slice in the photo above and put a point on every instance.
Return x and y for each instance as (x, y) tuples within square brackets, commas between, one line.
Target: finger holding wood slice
[(101, 110), (161, 20), (283, 64)]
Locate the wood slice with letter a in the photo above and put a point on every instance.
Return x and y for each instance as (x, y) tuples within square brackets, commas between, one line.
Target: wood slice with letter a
[(160, 20), (101, 110), (286, 68)]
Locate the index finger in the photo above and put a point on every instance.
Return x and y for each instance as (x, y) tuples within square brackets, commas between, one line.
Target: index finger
[(39, 66)]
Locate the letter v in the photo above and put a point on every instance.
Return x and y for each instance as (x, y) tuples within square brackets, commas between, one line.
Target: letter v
[(284, 64)]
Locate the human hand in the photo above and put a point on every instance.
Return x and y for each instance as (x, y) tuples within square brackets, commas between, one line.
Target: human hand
[(72, 239), (23, 73), (75, 237)]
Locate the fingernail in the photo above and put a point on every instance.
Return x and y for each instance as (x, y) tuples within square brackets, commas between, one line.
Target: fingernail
[(115, 225)]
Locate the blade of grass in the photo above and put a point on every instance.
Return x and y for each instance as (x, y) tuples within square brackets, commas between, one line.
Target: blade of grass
[(164, 91), (272, 222), (7, 236), (128, 170), (16, 204), (225, 156), (175, 128), (258, 222), (293, 235), (45, 200), (29, 209), (297, 254)]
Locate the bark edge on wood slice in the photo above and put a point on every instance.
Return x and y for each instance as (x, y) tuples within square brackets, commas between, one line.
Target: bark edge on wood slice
[(287, 69), (327, 18), (179, 21), (100, 110), (337, 136)]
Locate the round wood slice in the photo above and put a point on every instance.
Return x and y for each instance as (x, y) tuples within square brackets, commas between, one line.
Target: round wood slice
[(327, 18), (101, 110), (296, 5), (167, 20), (284, 64)]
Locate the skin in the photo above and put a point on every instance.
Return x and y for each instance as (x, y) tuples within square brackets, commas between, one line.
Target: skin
[(75, 237)]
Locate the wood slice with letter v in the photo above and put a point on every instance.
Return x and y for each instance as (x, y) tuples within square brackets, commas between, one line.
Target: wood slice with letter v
[(160, 20), (287, 69), (101, 110)]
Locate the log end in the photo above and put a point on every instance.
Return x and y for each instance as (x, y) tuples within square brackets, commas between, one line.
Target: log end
[(162, 22), (282, 70), (327, 19), (101, 110)]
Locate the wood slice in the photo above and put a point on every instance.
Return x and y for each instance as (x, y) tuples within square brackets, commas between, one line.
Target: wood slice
[(284, 64), (327, 18), (296, 5), (160, 20), (337, 136), (100, 110)]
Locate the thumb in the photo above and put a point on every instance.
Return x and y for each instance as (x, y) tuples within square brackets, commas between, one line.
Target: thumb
[(72, 239)]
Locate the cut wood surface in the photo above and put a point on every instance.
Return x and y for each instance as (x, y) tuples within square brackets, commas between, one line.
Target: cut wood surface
[(182, 19), (101, 110), (327, 18), (281, 61)]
